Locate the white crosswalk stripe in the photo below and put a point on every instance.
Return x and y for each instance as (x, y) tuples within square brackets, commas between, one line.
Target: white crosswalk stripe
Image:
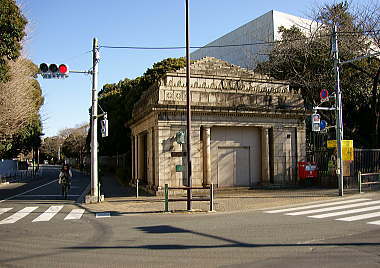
[(333, 208), (317, 205), (360, 217), (374, 222), (3, 210), (48, 214), (355, 207), (340, 213), (75, 214), (18, 215)]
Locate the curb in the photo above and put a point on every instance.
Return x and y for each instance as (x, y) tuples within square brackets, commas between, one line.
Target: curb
[(84, 193)]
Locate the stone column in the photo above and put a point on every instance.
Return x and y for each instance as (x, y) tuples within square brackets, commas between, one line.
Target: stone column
[(149, 149), (136, 157), (265, 172), (206, 155), (133, 156)]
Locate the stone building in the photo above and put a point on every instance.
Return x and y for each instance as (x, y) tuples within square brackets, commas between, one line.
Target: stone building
[(247, 128)]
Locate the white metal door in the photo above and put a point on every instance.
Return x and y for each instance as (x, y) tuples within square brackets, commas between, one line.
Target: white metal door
[(233, 166), (226, 167)]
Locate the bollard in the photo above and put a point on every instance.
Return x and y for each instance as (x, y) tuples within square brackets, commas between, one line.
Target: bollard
[(211, 197), (137, 188), (360, 181), (166, 198)]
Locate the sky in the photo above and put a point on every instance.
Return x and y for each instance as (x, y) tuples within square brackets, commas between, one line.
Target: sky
[(63, 31)]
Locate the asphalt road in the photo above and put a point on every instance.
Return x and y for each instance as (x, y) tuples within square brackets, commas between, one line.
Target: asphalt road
[(241, 239)]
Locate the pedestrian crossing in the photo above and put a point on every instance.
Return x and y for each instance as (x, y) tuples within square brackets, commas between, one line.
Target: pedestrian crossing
[(350, 210), (45, 216)]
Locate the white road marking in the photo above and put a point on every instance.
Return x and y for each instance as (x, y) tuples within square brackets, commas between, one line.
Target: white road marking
[(75, 214), (51, 195), (28, 191), (317, 205), (48, 214), (103, 215), (18, 215), (339, 213), (374, 222), (360, 217), (3, 210), (333, 208)]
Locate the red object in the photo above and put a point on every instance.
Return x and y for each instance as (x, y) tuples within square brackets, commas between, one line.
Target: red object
[(63, 69), (324, 94), (307, 170)]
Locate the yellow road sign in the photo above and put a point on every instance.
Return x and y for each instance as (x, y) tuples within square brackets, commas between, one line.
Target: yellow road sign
[(347, 148)]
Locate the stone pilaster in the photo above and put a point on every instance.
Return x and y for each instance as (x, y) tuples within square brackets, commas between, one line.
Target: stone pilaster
[(206, 155), (265, 172), (149, 157)]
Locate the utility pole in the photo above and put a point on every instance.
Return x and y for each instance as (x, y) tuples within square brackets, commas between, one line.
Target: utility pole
[(94, 197), (188, 103), (339, 114)]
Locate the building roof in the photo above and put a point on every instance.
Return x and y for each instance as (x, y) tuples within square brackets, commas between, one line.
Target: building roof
[(251, 43)]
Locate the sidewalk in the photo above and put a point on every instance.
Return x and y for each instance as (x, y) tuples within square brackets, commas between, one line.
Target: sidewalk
[(122, 200)]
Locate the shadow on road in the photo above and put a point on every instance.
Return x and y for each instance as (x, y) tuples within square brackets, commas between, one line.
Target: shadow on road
[(230, 243)]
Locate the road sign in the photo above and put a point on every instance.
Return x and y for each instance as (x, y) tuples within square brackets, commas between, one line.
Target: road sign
[(347, 148), (323, 124), (104, 127), (324, 94), (315, 122)]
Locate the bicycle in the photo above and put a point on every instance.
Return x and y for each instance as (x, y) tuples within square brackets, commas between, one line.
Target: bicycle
[(65, 183)]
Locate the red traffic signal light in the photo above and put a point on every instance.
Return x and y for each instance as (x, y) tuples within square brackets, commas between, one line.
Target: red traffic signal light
[(63, 69)]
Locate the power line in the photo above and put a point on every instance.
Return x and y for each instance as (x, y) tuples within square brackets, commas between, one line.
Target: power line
[(232, 45), (207, 46)]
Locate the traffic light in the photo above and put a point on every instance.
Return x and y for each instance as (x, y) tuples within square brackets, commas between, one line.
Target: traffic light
[(54, 71)]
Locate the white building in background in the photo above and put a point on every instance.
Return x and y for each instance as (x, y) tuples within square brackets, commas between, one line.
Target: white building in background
[(263, 29)]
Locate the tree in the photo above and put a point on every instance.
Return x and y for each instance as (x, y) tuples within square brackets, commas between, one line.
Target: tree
[(304, 60), (20, 102), (74, 144), (50, 148), (20, 97), (20, 93), (118, 101), (12, 29)]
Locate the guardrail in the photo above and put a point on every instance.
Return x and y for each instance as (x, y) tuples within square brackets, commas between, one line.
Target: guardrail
[(20, 174), (360, 183), (210, 199)]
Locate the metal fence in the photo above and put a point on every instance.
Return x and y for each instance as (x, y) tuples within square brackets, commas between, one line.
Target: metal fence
[(365, 161)]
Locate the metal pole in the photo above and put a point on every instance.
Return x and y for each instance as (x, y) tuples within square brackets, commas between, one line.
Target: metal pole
[(211, 197), (339, 114), (360, 182), (166, 198), (94, 123), (137, 188), (188, 103)]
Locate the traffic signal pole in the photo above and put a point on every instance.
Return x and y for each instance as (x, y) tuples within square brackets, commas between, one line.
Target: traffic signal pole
[(339, 113), (94, 197), (188, 110)]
